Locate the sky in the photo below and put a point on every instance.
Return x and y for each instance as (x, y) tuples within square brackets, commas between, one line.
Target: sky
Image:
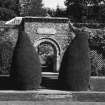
[(53, 3)]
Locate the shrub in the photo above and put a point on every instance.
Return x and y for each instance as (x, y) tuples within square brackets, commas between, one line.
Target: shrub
[(25, 69), (75, 66)]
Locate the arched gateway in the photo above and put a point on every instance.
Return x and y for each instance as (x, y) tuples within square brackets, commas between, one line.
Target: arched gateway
[(50, 37), (49, 54)]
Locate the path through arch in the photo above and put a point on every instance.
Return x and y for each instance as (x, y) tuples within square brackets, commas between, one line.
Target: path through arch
[(49, 54)]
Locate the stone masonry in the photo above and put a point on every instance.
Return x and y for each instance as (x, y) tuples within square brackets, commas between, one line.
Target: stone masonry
[(41, 30), (47, 31), (52, 30)]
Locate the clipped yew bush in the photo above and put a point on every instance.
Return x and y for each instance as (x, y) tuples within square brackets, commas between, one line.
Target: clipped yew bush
[(25, 69), (75, 66)]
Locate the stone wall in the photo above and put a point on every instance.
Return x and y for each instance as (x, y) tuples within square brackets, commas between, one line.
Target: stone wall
[(57, 33), (61, 37), (54, 31), (8, 38)]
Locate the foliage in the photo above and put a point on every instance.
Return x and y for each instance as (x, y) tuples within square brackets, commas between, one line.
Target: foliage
[(36, 8), (25, 69), (75, 67), (75, 12), (75, 9), (8, 9), (11, 8), (7, 43), (59, 12), (97, 52), (86, 10), (45, 48), (5, 57), (6, 14)]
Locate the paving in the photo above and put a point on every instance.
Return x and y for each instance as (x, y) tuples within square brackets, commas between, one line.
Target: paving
[(48, 95), (49, 103), (51, 97), (45, 95)]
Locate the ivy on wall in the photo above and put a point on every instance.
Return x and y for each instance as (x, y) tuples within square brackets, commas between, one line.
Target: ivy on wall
[(97, 51)]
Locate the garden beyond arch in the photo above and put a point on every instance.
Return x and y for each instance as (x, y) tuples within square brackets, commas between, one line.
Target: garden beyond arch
[(55, 47)]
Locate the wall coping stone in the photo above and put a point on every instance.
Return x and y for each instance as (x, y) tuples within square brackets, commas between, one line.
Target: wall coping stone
[(18, 20)]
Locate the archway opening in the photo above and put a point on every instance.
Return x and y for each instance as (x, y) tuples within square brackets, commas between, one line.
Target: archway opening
[(48, 56)]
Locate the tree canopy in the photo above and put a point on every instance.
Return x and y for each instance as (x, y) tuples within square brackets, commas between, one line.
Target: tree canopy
[(37, 8), (34, 8), (11, 8), (78, 10), (8, 9)]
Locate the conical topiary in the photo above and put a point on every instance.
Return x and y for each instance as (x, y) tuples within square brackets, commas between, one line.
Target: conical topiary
[(75, 66), (25, 68)]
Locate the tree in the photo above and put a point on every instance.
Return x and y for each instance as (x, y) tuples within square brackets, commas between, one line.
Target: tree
[(102, 14), (8, 9), (77, 9), (74, 9), (75, 69), (50, 12), (59, 12), (25, 71), (36, 8), (6, 14)]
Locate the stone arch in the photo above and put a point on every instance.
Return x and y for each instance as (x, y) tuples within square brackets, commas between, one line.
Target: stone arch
[(55, 44)]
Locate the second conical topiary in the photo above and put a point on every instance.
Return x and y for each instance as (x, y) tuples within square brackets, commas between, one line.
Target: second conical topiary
[(25, 69), (75, 67)]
